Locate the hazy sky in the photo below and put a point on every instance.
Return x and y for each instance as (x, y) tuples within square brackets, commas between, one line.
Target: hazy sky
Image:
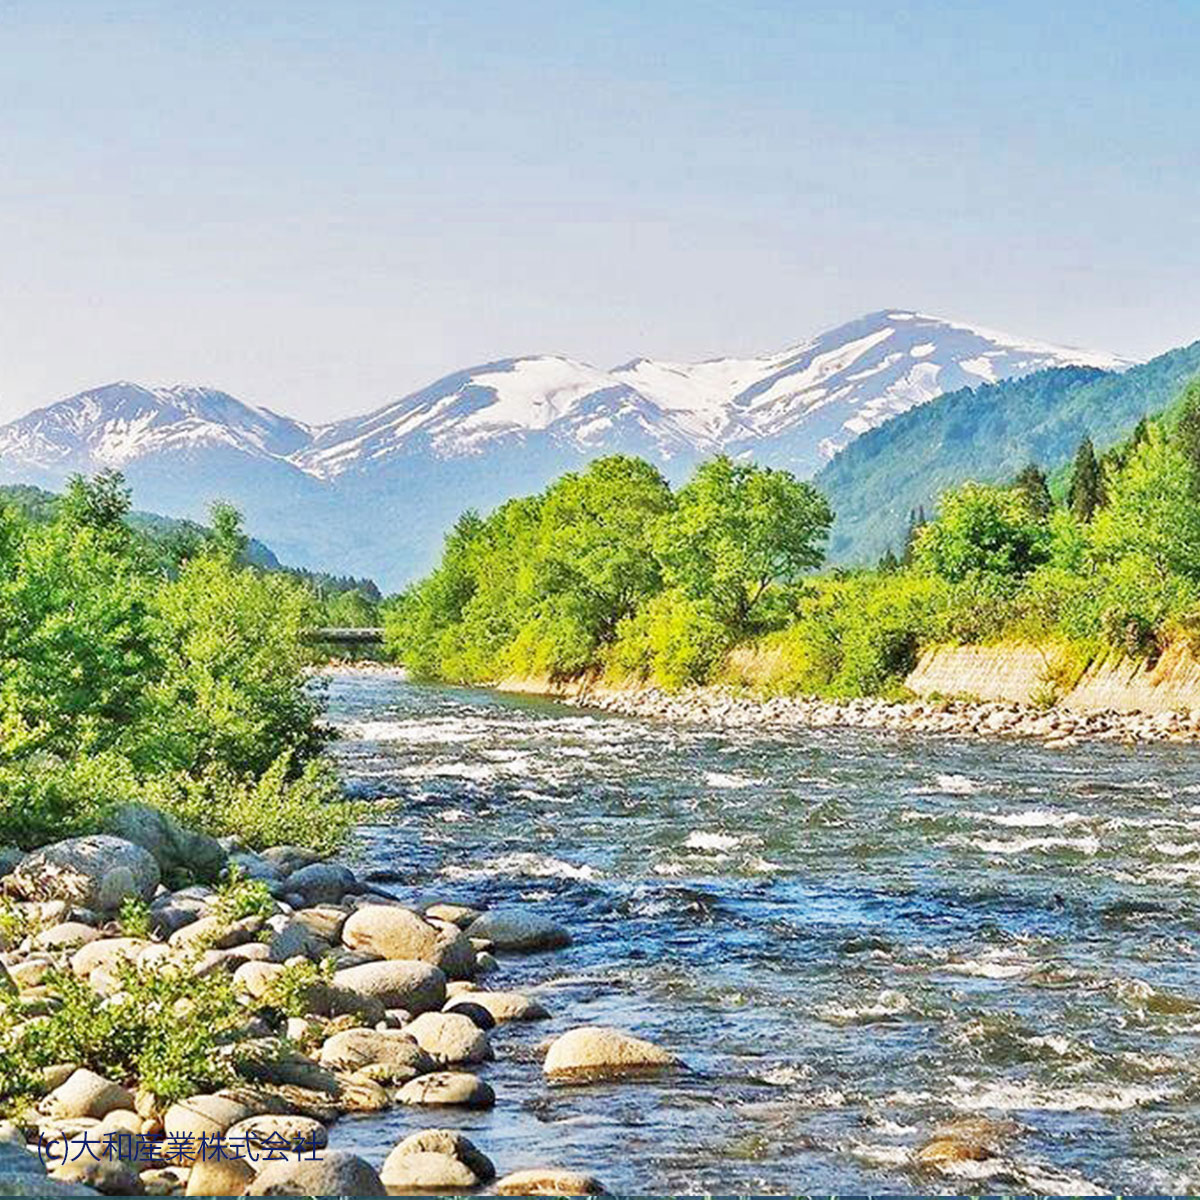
[(322, 206)]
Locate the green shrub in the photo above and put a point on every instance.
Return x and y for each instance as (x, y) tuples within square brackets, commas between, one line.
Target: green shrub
[(674, 641), (134, 917), (291, 990), (160, 1030), (307, 810), (238, 897)]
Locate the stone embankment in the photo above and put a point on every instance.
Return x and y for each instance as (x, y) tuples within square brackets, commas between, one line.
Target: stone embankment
[(1053, 726), (396, 1014)]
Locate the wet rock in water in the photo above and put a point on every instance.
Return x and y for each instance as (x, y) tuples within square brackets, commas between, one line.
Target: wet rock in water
[(436, 1160), (359, 1093), (399, 933), (951, 1150), (322, 883), (965, 1139), (219, 1177), (354, 1048), (517, 929), (549, 1181), (416, 986), (596, 1052), (98, 872), (476, 1013), (448, 1088), (450, 1038), (299, 1132), (181, 853), (455, 914), (502, 1006), (334, 1173), (86, 1094)]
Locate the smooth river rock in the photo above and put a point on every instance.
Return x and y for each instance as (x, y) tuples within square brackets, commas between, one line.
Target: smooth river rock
[(393, 932), (417, 987), (453, 1088), (518, 929), (436, 1160), (548, 1181), (450, 1038), (97, 872), (334, 1173), (597, 1052)]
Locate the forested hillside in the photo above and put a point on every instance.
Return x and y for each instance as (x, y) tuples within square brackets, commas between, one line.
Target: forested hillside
[(986, 435)]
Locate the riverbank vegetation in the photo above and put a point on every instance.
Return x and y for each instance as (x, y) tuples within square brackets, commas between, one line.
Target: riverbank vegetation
[(151, 666), (610, 571)]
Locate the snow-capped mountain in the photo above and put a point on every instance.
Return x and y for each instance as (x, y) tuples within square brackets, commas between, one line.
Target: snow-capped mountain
[(799, 406), (110, 426), (474, 438)]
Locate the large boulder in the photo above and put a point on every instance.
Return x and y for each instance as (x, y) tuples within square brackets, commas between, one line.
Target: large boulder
[(519, 929), (334, 1173), (322, 883), (67, 935), (436, 1160), (394, 932), (500, 1006), (456, 1088), (548, 1181), (86, 1094), (323, 920), (98, 872), (450, 1038), (107, 953), (415, 986), (183, 855), (354, 1048), (213, 1114), (213, 1176), (300, 1133), (596, 1052)]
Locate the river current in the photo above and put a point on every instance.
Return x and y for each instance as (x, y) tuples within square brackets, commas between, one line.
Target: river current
[(850, 937)]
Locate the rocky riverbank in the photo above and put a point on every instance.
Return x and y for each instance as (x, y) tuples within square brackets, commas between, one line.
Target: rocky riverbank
[(961, 718), (340, 1000)]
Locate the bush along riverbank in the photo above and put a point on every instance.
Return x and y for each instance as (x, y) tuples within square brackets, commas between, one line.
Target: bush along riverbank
[(610, 573), (201, 1041)]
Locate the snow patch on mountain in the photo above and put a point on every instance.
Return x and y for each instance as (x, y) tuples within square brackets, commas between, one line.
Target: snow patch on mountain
[(796, 407)]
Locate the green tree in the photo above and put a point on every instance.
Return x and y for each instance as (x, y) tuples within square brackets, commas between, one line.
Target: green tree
[(228, 536), (1186, 434), (1152, 511), (1085, 494), (101, 503), (983, 531), (1031, 483), (737, 529)]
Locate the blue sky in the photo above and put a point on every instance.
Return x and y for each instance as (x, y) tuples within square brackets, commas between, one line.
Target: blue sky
[(320, 207)]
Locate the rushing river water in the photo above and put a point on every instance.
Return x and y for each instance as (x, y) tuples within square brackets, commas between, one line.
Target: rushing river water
[(850, 937)]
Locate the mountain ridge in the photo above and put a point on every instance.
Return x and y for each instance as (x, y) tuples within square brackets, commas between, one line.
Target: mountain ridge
[(478, 435)]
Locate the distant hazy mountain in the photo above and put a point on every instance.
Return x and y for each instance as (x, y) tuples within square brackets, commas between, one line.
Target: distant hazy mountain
[(987, 434), (374, 494)]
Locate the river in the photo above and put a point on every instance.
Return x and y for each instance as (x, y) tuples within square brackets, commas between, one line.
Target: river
[(850, 937)]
